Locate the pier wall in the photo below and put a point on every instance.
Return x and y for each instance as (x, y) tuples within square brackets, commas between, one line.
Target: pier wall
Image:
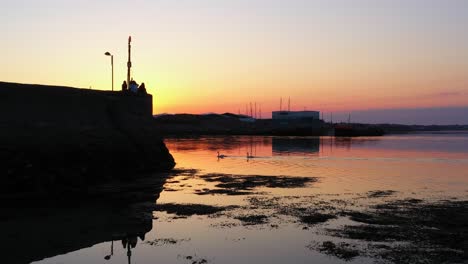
[(59, 139)]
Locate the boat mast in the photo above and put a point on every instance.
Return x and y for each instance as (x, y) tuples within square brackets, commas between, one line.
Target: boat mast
[(255, 115)]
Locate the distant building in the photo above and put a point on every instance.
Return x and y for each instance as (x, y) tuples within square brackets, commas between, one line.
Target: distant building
[(297, 122), (295, 115)]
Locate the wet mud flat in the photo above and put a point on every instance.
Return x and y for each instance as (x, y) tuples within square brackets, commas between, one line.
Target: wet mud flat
[(245, 184), (378, 224), (406, 231)]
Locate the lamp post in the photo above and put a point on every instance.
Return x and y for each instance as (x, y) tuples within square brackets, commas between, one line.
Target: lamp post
[(112, 65)]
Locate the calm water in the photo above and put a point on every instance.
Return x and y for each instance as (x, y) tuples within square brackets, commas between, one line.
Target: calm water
[(427, 166)]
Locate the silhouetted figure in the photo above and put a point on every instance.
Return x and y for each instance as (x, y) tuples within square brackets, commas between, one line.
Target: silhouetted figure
[(133, 86), (142, 89), (124, 86)]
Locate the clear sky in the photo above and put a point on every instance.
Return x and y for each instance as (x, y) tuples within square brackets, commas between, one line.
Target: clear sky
[(202, 56)]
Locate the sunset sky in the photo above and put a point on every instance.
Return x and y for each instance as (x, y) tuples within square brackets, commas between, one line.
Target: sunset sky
[(199, 56)]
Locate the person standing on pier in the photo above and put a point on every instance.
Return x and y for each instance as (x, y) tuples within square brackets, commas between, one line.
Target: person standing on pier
[(124, 86)]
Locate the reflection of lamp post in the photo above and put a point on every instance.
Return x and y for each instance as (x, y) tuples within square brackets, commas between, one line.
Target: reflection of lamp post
[(129, 254), (112, 65), (112, 251)]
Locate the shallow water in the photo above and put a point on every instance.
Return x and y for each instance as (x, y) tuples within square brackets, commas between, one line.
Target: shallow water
[(345, 172)]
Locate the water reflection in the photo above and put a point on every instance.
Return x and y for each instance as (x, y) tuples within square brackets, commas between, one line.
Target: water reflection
[(444, 146), (46, 231), (261, 146), (295, 146), (350, 173), (129, 242)]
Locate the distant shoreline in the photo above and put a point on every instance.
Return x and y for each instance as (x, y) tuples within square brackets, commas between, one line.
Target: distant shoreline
[(232, 124)]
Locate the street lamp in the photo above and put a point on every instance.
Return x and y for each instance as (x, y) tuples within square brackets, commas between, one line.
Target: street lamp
[(112, 65)]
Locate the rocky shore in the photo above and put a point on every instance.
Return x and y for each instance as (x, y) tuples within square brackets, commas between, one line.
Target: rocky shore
[(61, 141)]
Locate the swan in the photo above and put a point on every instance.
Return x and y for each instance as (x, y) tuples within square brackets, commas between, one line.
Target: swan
[(249, 156), (221, 156)]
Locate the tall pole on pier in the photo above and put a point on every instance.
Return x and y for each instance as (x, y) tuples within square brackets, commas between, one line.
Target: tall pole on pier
[(129, 63)]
